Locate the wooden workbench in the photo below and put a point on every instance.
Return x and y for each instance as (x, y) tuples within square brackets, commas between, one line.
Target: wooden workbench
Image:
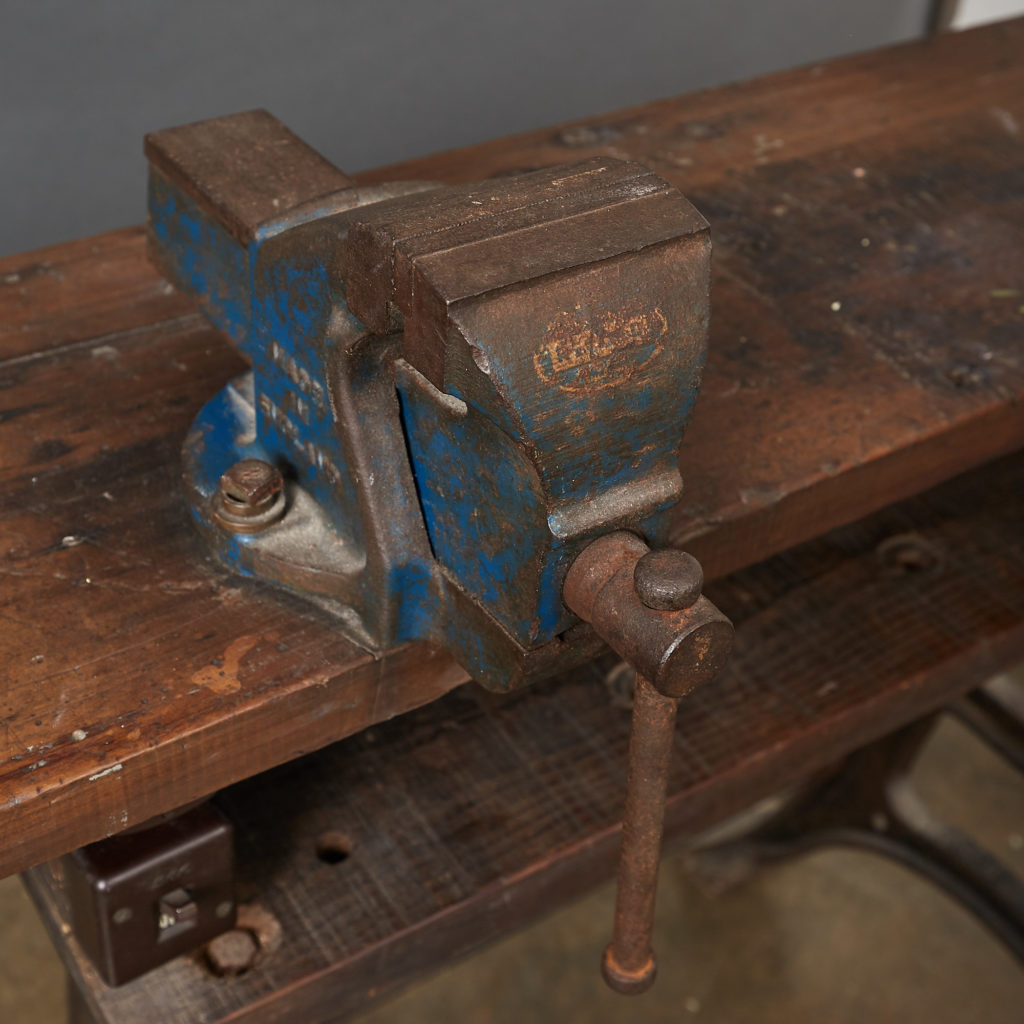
[(868, 221)]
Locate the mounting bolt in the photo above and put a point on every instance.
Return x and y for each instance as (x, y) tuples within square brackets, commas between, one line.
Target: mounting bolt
[(250, 486), (251, 497), (668, 580)]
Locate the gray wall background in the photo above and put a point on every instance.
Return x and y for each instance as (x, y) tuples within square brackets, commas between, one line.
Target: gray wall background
[(365, 82)]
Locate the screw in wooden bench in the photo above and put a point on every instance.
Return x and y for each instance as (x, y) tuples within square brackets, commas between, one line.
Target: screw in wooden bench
[(251, 496), (665, 581)]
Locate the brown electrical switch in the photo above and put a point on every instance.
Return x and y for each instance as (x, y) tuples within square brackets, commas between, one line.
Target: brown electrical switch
[(143, 897)]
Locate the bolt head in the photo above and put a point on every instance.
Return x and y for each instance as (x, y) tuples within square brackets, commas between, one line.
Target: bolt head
[(668, 580), (251, 484)]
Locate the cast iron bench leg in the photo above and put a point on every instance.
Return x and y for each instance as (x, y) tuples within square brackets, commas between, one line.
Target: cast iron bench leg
[(78, 1009), (867, 802), (995, 713)]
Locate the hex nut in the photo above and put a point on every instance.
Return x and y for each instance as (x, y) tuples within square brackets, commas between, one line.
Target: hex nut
[(250, 496), (232, 953), (251, 484)]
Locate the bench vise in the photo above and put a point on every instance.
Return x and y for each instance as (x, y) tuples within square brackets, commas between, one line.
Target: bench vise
[(465, 404)]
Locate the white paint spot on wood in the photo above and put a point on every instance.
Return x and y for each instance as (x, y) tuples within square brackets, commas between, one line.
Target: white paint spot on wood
[(1006, 121)]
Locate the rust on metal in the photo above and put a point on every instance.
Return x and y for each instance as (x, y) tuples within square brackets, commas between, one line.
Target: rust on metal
[(552, 332), (250, 497), (442, 374), (232, 953), (256, 935), (251, 486), (628, 964), (648, 607), (668, 580), (244, 169), (677, 650)]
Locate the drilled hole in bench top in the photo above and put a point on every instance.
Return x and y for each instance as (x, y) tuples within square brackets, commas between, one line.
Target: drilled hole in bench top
[(333, 847), (909, 554)]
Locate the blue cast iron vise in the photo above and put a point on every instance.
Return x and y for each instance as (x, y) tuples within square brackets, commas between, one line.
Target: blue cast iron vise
[(461, 387), (462, 419)]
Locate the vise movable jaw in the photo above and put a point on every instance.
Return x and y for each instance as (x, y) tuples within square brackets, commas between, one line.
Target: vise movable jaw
[(460, 387)]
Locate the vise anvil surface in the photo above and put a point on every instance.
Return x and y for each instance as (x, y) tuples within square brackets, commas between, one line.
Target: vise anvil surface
[(460, 387)]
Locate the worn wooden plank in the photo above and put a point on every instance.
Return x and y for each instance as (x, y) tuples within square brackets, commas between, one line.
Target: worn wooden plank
[(480, 813), (116, 626), (83, 293)]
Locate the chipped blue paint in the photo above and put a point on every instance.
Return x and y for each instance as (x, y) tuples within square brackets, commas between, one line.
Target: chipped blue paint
[(417, 607), (481, 502), (202, 257), (275, 298)]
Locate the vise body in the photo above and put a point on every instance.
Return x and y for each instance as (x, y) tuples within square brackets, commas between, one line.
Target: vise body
[(454, 390), (462, 419)]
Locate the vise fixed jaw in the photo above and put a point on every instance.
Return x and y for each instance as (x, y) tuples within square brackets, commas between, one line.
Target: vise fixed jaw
[(461, 387)]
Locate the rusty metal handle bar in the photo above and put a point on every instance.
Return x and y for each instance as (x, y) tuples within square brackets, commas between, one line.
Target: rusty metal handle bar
[(647, 606)]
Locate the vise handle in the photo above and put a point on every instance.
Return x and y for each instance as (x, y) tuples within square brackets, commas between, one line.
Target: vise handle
[(647, 605)]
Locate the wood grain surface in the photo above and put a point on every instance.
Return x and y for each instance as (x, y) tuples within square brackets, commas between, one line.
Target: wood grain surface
[(480, 813), (868, 217)]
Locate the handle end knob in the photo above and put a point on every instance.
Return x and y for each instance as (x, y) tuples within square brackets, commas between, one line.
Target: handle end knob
[(624, 981)]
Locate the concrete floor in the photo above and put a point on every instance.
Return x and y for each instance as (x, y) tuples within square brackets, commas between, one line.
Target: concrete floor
[(838, 937)]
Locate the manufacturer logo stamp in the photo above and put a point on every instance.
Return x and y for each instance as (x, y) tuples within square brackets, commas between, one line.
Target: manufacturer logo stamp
[(582, 353)]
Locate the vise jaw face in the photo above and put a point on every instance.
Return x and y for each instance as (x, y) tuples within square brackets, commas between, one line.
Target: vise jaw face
[(462, 386)]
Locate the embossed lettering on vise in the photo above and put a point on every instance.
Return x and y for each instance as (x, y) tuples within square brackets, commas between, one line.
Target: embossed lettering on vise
[(290, 430), (300, 377), (307, 402), (580, 354)]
